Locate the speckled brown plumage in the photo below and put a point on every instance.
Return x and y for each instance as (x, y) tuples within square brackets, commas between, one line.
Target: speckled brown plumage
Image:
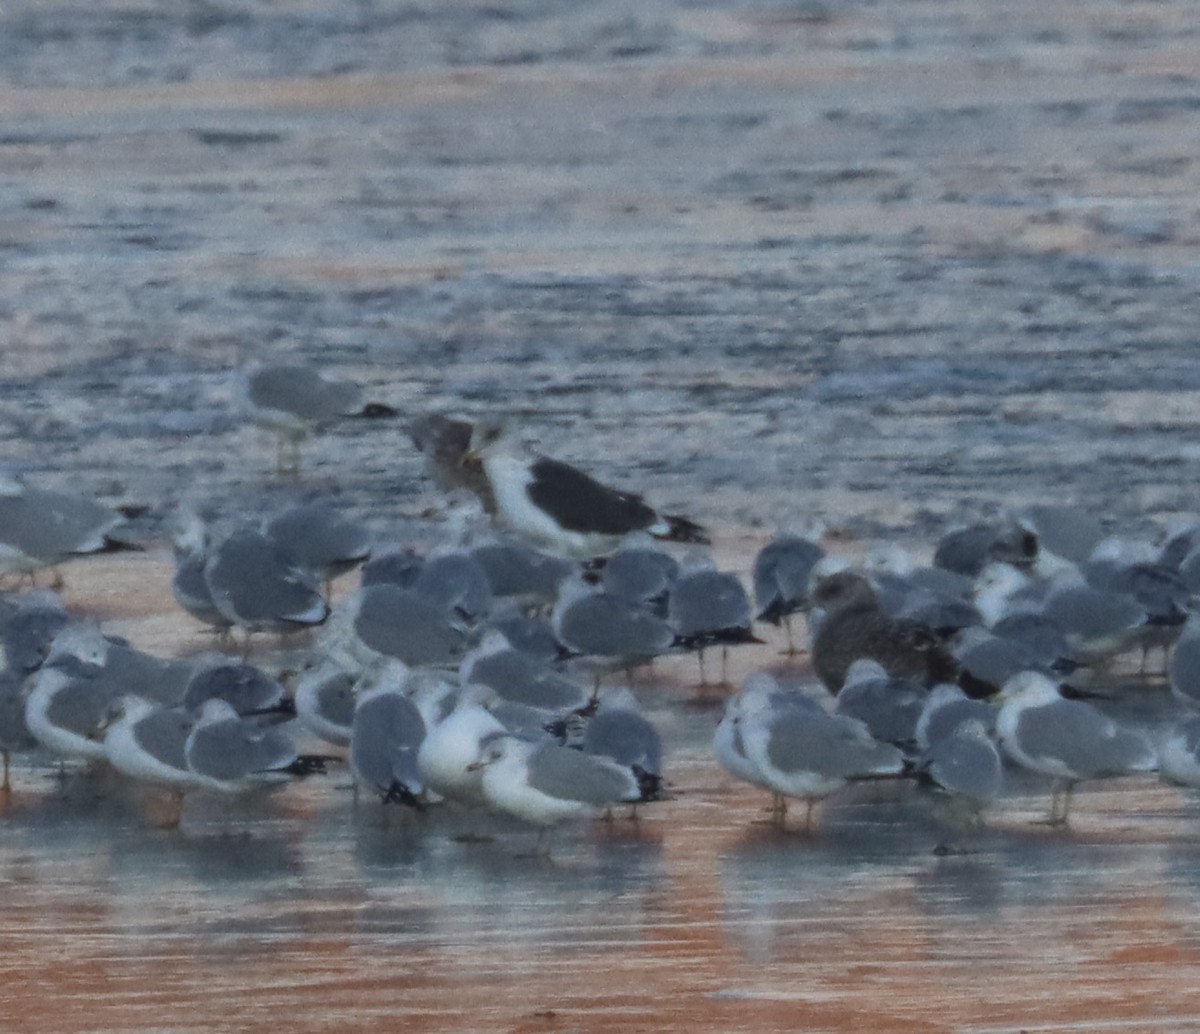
[(855, 627)]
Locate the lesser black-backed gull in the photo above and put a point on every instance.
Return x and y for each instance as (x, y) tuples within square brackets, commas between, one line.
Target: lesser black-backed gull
[(560, 508)]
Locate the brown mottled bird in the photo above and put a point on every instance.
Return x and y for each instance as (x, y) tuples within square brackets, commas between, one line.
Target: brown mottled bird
[(445, 442), (856, 627)]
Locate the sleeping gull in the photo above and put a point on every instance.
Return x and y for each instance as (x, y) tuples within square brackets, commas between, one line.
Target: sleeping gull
[(293, 401), (246, 688), (386, 735), (946, 708), (146, 741), (1068, 740), (27, 632), (384, 620), (609, 632), (519, 572), (233, 755), (889, 707), (257, 586), (969, 550), (320, 539), (517, 677), (1179, 753), (641, 572), (965, 764), (545, 784), (452, 745), (324, 700), (619, 731), (560, 508), (191, 540)]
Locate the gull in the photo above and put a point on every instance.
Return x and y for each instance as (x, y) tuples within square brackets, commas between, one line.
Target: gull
[(145, 741), (27, 632), (965, 764), (854, 626), (42, 528), (1066, 535), (386, 735), (320, 539), (258, 587), (1068, 740), (608, 631), (708, 607), (619, 731), (531, 635), (519, 678), (191, 540), (1179, 753), (294, 401), (519, 572), (641, 572), (782, 574), (1183, 669), (457, 582), (247, 689), (800, 751), (1099, 625), (969, 550), (452, 745), (946, 708), (545, 784), (889, 707), (559, 508), (324, 699), (385, 620), (233, 755), (66, 712)]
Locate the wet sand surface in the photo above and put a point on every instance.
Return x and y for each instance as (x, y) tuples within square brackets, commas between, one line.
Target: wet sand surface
[(890, 265)]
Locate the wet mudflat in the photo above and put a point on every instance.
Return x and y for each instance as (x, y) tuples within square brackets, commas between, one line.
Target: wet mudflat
[(888, 914), (891, 265)]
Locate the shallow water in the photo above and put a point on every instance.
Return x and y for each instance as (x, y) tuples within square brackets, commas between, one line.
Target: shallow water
[(892, 265)]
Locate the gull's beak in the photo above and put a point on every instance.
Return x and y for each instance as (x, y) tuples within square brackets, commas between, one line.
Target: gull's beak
[(475, 766)]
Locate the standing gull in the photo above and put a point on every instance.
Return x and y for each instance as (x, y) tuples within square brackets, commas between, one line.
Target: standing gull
[(293, 401), (41, 528), (1068, 740), (782, 574), (803, 752), (709, 608), (560, 508)]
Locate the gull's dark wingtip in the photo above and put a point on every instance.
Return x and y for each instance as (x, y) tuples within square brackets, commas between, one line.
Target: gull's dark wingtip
[(680, 529)]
